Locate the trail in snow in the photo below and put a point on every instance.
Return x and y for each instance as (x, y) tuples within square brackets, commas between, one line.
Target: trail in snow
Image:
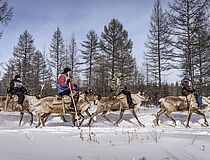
[(58, 140)]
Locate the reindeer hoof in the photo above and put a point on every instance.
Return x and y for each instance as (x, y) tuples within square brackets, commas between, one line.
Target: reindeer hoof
[(187, 126), (206, 123), (141, 125), (116, 124)]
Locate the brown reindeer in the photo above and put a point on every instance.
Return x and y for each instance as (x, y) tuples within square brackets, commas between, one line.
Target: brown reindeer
[(106, 104), (11, 107), (180, 104), (48, 105), (45, 106)]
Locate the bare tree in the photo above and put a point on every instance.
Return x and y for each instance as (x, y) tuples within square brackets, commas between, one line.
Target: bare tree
[(6, 13), (72, 57), (201, 60), (183, 14), (159, 54)]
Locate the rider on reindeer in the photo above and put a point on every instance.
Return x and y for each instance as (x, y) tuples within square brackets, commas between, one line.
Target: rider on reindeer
[(17, 88), (187, 88), (117, 90), (66, 86)]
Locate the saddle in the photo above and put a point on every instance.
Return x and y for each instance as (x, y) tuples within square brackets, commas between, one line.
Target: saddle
[(62, 100), (116, 97), (13, 97)]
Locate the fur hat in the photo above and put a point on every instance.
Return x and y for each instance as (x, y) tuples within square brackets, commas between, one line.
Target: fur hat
[(66, 70), (17, 76)]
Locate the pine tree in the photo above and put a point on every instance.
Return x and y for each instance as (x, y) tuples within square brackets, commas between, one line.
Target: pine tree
[(115, 43), (23, 53), (102, 78), (46, 76), (39, 70), (57, 53), (7, 77), (90, 54)]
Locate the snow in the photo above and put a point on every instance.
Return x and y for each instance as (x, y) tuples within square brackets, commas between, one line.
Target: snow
[(104, 141)]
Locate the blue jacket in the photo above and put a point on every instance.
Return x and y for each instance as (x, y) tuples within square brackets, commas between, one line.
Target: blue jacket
[(63, 83)]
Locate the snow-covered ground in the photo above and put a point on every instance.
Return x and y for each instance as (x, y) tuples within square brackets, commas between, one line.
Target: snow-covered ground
[(104, 141)]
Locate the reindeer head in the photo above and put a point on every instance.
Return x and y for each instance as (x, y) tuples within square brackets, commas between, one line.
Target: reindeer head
[(92, 96), (143, 96)]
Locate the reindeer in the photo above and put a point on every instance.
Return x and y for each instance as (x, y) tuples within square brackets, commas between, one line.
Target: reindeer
[(8, 104), (45, 106), (180, 104), (48, 105), (106, 104)]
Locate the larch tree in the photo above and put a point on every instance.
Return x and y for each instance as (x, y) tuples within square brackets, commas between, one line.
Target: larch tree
[(201, 49), (159, 51), (89, 55), (183, 15), (7, 76), (39, 72), (6, 13), (115, 43), (57, 53), (23, 54), (72, 57)]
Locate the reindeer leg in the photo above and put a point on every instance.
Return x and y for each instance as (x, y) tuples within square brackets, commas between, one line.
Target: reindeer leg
[(92, 116), (158, 116), (21, 118), (188, 119), (134, 114), (120, 118), (72, 117), (42, 121), (88, 113), (63, 118), (202, 114), (169, 116), (45, 117), (31, 121), (104, 116), (38, 120), (82, 119)]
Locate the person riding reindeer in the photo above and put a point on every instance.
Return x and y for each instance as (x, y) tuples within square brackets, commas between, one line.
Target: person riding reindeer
[(66, 85), (117, 90), (17, 88), (188, 88)]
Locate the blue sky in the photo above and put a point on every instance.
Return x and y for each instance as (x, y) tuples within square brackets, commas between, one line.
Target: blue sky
[(41, 18)]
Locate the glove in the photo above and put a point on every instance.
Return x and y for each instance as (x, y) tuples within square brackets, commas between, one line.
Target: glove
[(27, 93)]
